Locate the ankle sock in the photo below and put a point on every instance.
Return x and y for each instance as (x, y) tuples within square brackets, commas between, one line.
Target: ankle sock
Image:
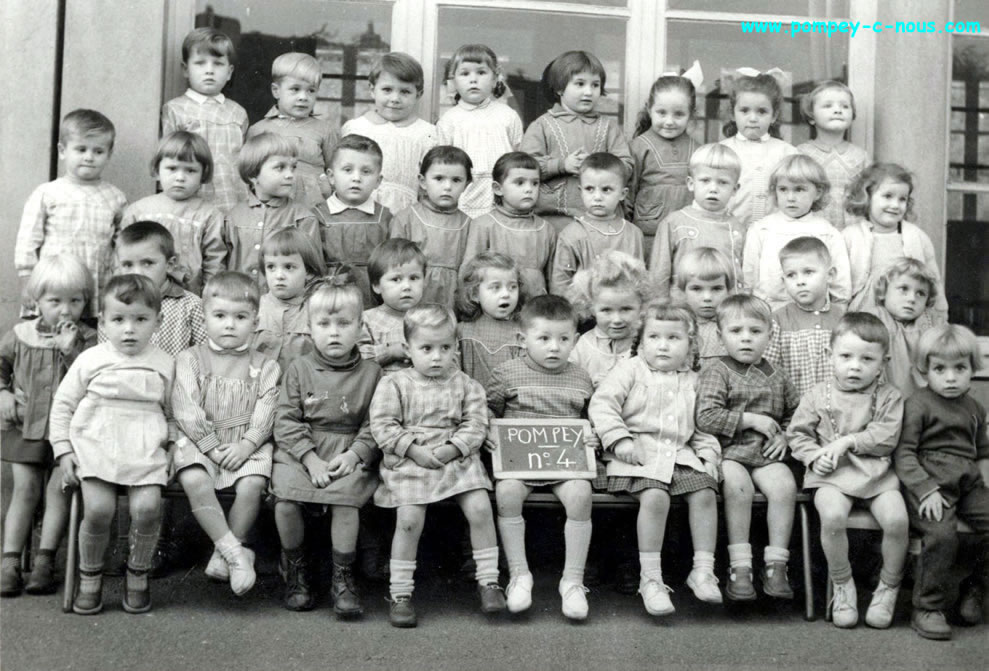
[(651, 566), (10, 560), (703, 562), (486, 561), (740, 555), (775, 554), (401, 577)]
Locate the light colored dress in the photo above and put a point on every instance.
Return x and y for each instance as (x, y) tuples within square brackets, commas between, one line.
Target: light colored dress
[(596, 353), (659, 182), (442, 237), (283, 331), (842, 163), (403, 148), (314, 140), (580, 243), (485, 344), (759, 158), (528, 239)]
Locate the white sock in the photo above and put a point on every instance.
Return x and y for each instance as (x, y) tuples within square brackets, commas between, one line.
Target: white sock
[(775, 554), (512, 530), (577, 536), (704, 562), (651, 566), (401, 580), (739, 555), (486, 561)]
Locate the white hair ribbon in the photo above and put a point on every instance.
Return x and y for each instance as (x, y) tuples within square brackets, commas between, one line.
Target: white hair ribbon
[(693, 74)]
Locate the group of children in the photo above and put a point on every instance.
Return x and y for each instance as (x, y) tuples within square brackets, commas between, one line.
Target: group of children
[(279, 320)]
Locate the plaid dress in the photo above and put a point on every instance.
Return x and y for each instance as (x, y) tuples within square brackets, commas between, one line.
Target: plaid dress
[(183, 323), (800, 343), (381, 327), (728, 388), (442, 237), (485, 344), (409, 408), (583, 241), (528, 239), (349, 235)]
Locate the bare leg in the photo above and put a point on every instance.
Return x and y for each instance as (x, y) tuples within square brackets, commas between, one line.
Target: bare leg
[(247, 503)]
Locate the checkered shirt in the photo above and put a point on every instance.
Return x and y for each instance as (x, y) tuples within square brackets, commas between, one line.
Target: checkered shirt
[(183, 323), (522, 389), (485, 344), (800, 343)]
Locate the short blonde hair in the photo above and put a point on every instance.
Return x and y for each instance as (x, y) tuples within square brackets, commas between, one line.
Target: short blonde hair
[(260, 148), (611, 270), (705, 263), (233, 286), (948, 341), (663, 311), (716, 156), (428, 316), (299, 65), (801, 168), (61, 272), (911, 268), (745, 305)]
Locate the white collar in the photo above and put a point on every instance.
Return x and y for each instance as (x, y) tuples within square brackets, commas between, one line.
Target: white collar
[(742, 138), (336, 206), (200, 98)]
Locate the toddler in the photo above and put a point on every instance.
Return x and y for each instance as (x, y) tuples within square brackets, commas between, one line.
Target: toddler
[(480, 124), (573, 129), (747, 402), (208, 59), (543, 384), (705, 277), (511, 227), (182, 165), (435, 223), (326, 455), (77, 213), (352, 224), (845, 430), (224, 403), (644, 407), (296, 78), (34, 356), (800, 188), (111, 426), (602, 226), (396, 86), (430, 421), (943, 461), (713, 178)]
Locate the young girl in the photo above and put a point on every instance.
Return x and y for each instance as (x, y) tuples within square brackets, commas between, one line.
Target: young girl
[(511, 227), (573, 129), (326, 455), (396, 82), (905, 294), (881, 200), (224, 403), (844, 431), (435, 223), (829, 111), (430, 421), (800, 189), (290, 264), (480, 124), (111, 425), (490, 296), (704, 277), (644, 407), (661, 149), (34, 356), (755, 104)]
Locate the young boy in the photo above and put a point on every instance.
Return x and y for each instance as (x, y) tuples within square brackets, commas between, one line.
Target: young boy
[(713, 179), (747, 402), (208, 58), (704, 277), (182, 165), (943, 462), (77, 213), (601, 227), (266, 163), (544, 384), (352, 224), (295, 80), (799, 343), (396, 270)]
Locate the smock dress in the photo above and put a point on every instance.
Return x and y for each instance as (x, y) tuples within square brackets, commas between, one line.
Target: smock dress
[(442, 237)]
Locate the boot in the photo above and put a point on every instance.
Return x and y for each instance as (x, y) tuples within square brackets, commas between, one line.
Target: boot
[(346, 602), (11, 581), (239, 562), (295, 572), (42, 578)]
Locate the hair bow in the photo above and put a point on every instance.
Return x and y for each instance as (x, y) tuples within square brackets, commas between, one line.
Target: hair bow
[(776, 73), (693, 74), (340, 275)]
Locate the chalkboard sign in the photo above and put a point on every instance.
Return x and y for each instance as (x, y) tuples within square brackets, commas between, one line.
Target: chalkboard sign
[(542, 449)]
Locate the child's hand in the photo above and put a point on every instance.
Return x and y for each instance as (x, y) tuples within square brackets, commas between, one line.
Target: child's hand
[(344, 464), (489, 444), (8, 407), (218, 454), (932, 508), (325, 187), (319, 470), (423, 457), (237, 455), (593, 442), (838, 447), (572, 163), (66, 332), (712, 469), (764, 424), (394, 351), (446, 453), (823, 462), (69, 465), (775, 447), (625, 451)]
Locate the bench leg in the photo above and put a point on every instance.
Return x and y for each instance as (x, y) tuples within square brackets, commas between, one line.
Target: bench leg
[(72, 553), (808, 576)]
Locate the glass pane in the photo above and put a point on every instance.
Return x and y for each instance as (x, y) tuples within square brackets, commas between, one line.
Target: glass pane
[(968, 148), (346, 37), (526, 41), (721, 47), (821, 8), (972, 10), (967, 275)]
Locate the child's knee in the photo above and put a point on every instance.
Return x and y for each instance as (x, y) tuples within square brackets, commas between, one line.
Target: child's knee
[(833, 520), (704, 499), (576, 499), (509, 497), (252, 486), (145, 509), (477, 508), (409, 522)]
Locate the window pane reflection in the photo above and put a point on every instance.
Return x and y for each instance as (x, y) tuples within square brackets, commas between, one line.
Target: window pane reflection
[(966, 279), (968, 148)]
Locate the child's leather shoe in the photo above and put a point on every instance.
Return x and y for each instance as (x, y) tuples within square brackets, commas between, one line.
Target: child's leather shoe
[(42, 577), (704, 585), (740, 587), (137, 592), (492, 598), (656, 597), (295, 572), (971, 597), (883, 605), (11, 580), (346, 602), (518, 594), (931, 624), (89, 599), (401, 613), (844, 605), (775, 582), (574, 600)]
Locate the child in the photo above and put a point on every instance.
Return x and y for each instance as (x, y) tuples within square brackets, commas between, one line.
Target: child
[(480, 124), (713, 178), (511, 227), (488, 300), (642, 409), (435, 223), (612, 291), (291, 264), (661, 148), (845, 430), (77, 213), (602, 226), (396, 86), (705, 277), (747, 402), (904, 295), (34, 356), (430, 422), (573, 129), (224, 403), (181, 165), (208, 59), (326, 455), (296, 78), (396, 269), (752, 132), (543, 384), (801, 337), (800, 189), (829, 111), (880, 198), (943, 461), (111, 425), (267, 163), (352, 224)]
